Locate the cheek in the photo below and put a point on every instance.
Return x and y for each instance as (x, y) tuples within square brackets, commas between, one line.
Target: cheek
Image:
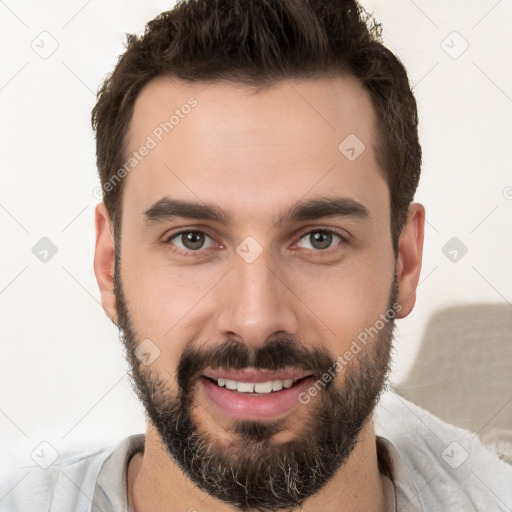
[(167, 302), (341, 302)]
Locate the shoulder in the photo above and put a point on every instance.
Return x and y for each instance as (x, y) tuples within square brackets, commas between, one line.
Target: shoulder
[(450, 467), (67, 484)]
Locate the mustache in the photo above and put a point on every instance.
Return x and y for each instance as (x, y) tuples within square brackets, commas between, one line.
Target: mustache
[(234, 355)]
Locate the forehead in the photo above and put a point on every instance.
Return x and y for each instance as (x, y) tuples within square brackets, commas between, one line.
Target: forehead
[(222, 143)]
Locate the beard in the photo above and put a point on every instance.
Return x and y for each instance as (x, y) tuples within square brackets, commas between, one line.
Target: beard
[(252, 472)]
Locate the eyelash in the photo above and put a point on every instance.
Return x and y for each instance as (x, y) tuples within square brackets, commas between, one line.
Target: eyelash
[(193, 253)]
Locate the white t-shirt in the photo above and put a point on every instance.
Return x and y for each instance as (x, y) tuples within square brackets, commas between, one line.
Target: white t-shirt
[(435, 467)]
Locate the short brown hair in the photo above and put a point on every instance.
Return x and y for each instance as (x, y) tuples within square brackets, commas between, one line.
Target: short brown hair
[(258, 43)]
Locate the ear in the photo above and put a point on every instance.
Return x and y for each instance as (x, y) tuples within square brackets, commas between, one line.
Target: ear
[(408, 264), (104, 260)]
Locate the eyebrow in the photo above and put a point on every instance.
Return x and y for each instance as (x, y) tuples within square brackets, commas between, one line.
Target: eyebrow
[(168, 208)]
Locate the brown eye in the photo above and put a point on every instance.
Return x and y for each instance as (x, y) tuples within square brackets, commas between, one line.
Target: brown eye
[(190, 240), (320, 239)]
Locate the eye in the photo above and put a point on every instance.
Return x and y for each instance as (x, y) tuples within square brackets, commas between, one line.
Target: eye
[(320, 239), (190, 240)]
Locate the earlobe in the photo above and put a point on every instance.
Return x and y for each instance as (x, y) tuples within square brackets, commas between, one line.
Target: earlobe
[(408, 264), (104, 260)]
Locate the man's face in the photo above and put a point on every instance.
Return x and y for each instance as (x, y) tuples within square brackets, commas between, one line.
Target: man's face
[(218, 297)]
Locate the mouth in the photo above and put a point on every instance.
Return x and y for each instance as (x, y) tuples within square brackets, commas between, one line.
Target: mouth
[(255, 395), (256, 388)]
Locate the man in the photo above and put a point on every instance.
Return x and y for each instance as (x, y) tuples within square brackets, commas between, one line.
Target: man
[(256, 242)]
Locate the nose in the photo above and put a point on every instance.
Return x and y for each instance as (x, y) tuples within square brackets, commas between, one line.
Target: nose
[(256, 303)]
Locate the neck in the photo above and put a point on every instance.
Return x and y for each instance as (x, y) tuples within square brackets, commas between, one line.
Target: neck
[(155, 482)]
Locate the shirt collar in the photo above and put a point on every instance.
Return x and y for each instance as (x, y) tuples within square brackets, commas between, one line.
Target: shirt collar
[(406, 494)]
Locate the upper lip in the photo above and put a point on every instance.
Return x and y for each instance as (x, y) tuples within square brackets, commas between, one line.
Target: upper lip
[(252, 375)]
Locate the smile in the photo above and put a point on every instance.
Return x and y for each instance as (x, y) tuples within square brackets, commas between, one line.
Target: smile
[(255, 387), (255, 395)]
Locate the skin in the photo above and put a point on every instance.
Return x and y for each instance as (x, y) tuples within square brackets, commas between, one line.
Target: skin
[(255, 155)]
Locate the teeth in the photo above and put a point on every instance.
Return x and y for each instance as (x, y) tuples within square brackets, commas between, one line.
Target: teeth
[(277, 385), (231, 384), (263, 387), (258, 387), (288, 383), (245, 387)]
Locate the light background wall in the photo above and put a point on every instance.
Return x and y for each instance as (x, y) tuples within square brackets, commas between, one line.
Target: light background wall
[(63, 376)]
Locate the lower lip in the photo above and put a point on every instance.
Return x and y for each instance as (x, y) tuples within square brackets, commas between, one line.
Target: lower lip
[(245, 406)]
